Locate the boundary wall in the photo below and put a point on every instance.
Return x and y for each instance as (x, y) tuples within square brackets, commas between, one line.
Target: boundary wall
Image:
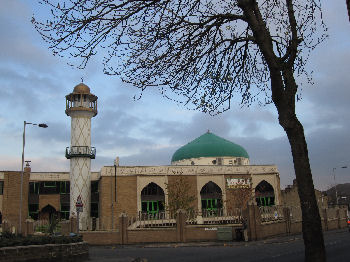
[(257, 223)]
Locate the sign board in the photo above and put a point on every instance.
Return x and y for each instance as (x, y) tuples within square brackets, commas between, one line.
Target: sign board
[(239, 182), (79, 204)]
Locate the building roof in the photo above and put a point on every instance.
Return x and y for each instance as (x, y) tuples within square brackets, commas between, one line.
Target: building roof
[(209, 145), (81, 89)]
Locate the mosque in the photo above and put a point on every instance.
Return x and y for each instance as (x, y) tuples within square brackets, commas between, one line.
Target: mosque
[(211, 166)]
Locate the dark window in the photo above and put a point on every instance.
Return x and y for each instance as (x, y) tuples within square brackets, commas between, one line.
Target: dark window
[(64, 212), (144, 206), (64, 187), (94, 210), (1, 187), (50, 184), (49, 187), (94, 186), (33, 211), (34, 187)]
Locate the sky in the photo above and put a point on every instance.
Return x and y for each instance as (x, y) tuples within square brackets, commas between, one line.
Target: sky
[(34, 83)]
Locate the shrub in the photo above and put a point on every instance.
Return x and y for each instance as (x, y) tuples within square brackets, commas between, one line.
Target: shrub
[(9, 240)]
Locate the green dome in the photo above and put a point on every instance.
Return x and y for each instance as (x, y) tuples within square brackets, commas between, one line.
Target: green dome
[(209, 145)]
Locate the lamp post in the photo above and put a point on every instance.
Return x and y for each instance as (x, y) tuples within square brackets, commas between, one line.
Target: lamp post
[(335, 184), (21, 191)]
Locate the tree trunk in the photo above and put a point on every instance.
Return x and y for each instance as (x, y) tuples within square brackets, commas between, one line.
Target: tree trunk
[(348, 7), (284, 88), (311, 224)]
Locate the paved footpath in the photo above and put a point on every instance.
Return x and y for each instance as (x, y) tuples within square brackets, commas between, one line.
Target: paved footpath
[(287, 248)]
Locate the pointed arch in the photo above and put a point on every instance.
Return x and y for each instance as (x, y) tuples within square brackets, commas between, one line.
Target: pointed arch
[(211, 198), (152, 199), (48, 212), (264, 194)]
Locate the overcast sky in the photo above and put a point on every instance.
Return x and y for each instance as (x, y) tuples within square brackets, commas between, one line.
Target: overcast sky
[(33, 85)]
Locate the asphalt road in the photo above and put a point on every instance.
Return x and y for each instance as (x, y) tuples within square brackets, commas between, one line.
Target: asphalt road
[(283, 249)]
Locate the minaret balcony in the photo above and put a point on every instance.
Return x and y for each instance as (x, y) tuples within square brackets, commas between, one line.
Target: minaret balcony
[(80, 151)]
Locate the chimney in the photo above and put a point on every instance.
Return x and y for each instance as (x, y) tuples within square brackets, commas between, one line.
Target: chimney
[(27, 168)]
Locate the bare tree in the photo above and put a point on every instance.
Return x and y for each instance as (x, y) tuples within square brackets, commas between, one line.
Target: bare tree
[(180, 196), (238, 197), (205, 54)]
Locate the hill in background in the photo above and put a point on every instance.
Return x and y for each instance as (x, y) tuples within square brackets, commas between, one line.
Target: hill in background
[(343, 194)]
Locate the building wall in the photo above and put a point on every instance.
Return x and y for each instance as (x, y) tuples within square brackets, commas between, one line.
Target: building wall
[(127, 195), (130, 182), (106, 199), (290, 197), (126, 199), (52, 200), (11, 197)]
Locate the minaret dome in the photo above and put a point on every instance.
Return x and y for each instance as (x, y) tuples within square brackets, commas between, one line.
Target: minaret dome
[(81, 99)]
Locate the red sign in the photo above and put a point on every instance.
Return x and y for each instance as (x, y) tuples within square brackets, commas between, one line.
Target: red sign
[(79, 203)]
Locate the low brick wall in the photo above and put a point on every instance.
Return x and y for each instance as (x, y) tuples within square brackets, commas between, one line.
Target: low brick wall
[(331, 219), (101, 237), (49, 252), (151, 235), (201, 233), (272, 229)]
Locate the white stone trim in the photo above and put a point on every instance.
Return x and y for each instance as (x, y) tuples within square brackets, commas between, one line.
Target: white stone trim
[(189, 170)]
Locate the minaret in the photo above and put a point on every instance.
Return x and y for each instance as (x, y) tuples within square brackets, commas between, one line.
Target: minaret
[(81, 106)]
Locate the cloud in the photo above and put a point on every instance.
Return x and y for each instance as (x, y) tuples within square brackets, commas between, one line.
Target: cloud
[(148, 131)]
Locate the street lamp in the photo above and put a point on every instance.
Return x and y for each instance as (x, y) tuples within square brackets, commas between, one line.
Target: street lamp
[(335, 184), (21, 197)]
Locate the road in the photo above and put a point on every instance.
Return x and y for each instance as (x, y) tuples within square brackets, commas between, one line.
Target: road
[(284, 249)]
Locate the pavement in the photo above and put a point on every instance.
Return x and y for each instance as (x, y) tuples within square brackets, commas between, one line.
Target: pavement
[(279, 248), (271, 240)]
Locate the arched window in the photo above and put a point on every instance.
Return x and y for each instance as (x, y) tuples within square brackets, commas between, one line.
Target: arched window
[(211, 198), (152, 199), (264, 194)]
